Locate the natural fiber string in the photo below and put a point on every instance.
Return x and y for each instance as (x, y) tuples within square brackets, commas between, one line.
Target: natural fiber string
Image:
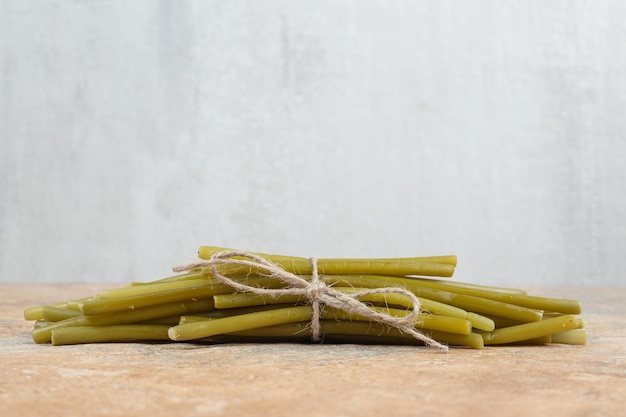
[(316, 291), (316, 287)]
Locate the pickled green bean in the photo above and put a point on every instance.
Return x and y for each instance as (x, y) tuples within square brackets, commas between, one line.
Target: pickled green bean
[(100, 334), (52, 313), (195, 305), (136, 290), (345, 331), (530, 330), (209, 328), (466, 302), (442, 266), (559, 305), (570, 337), (202, 290), (44, 334)]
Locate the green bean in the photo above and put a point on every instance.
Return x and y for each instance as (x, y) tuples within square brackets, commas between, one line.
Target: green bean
[(467, 285), (203, 290), (559, 305), (192, 319), (466, 302), (431, 266), (232, 300), (480, 322), (195, 305), (537, 341), (405, 301), (424, 321), (205, 252), (203, 329), (100, 334), (570, 337), (36, 313), (221, 313), (472, 340), (42, 323), (52, 313), (504, 322), (434, 307), (169, 320), (347, 330), (246, 299), (197, 330), (225, 301), (44, 334), (230, 312), (433, 321), (185, 276), (33, 313), (151, 288), (530, 330), (501, 322)]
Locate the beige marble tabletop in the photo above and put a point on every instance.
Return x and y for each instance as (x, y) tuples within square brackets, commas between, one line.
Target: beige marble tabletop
[(144, 379)]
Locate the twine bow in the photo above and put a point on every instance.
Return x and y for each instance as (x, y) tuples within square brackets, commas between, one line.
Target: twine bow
[(316, 291)]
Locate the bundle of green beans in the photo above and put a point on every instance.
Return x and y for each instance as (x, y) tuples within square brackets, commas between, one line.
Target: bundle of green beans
[(196, 306)]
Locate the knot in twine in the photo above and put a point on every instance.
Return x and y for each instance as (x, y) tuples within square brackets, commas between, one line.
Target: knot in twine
[(316, 291)]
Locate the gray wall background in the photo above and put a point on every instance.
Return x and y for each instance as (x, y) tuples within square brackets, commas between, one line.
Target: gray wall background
[(133, 132)]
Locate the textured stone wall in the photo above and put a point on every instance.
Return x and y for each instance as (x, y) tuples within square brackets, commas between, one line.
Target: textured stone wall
[(132, 132)]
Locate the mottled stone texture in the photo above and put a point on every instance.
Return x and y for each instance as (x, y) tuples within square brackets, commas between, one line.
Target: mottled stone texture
[(133, 131), (310, 380)]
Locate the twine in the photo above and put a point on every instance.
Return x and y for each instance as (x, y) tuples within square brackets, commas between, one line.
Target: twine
[(316, 291)]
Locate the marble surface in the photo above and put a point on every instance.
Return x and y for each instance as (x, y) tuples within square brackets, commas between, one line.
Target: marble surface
[(142, 379)]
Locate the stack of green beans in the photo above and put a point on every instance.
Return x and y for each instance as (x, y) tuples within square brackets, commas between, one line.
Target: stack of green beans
[(195, 306)]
